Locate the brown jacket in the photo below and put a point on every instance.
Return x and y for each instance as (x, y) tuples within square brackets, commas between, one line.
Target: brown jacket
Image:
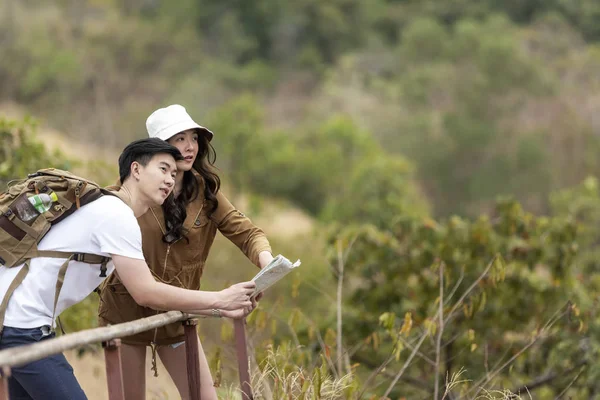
[(181, 263)]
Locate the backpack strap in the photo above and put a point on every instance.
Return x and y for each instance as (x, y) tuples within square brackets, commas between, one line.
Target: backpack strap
[(81, 257), (69, 256), (59, 284), (87, 258), (13, 285)]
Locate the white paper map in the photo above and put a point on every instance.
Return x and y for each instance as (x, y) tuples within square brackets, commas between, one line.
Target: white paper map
[(277, 269)]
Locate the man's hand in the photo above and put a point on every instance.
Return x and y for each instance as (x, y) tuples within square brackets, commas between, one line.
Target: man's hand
[(237, 296)]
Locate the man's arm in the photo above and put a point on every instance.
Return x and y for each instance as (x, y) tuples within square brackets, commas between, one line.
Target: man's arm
[(146, 291)]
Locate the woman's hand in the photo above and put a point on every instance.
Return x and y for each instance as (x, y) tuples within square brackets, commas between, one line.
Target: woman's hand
[(240, 313), (237, 297)]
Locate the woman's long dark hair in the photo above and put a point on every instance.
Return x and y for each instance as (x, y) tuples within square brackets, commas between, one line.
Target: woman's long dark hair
[(175, 208)]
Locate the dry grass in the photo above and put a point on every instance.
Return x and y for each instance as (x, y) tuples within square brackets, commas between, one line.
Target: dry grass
[(280, 377), (502, 395), (277, 379)]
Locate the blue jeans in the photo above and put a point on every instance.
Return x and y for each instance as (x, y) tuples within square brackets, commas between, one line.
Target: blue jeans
[(50, 378)]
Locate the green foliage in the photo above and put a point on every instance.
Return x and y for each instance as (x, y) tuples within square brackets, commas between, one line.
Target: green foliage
[(21, 152), (378, 192), (34, 63), (307, 32), (480, 68), (81, 316), (521, 269), (581, 204), (324, 159), (463, 102), (81, 71), (239, 124), (311, 33), (453, 85), (584, 15), (424, 41), (332, 170)]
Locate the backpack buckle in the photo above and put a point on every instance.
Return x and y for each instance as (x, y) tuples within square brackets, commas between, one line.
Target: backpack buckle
[(78, 257)]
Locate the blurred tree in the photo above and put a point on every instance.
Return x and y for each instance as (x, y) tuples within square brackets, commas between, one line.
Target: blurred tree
[(333, 170), (239, 126), (283, 32), (584, 14), (469, 83), (379, 191)]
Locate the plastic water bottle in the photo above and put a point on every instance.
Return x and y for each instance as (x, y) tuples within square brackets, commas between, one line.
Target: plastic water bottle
[(42, 202), (36, 205)]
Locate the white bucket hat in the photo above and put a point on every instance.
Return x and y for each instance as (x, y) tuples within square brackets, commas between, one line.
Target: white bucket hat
[(167, 122)]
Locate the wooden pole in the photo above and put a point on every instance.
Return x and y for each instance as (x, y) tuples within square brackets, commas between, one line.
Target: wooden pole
[(25, 354), (192, 356), (114, 370), (242, 355), (4, 375)]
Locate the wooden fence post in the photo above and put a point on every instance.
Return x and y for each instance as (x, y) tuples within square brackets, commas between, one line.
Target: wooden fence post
[(192, 356), (4, 375), (114, 370), (242, 356)]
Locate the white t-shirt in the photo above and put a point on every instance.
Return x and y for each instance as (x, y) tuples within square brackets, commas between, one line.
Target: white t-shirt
[(105, 226)]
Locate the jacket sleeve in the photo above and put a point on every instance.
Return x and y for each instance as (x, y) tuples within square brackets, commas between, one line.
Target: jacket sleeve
[(238, 228)]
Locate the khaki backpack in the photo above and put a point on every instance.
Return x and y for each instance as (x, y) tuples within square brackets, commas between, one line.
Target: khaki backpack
[(19, 239)]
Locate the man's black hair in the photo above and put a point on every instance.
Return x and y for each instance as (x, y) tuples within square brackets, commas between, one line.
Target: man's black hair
[(142, 151)]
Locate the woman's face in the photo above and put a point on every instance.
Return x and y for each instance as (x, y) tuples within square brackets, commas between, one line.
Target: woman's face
[(187, 143)]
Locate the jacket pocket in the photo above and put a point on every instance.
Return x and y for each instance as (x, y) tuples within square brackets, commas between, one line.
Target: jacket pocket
[(116, 288), (199, 239), (191, 274)]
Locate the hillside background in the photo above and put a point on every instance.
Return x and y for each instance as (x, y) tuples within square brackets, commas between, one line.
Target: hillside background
[(433, 163)]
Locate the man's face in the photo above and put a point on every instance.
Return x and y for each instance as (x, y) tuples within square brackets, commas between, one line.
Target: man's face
[(157, 178)]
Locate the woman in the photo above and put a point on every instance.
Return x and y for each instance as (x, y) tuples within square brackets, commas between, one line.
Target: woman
[(176, 239)]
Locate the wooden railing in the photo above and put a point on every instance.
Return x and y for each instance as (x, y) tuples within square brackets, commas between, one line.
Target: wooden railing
[(110, 338)]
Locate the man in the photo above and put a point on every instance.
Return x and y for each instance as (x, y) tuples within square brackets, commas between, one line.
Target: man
[(107, 227)]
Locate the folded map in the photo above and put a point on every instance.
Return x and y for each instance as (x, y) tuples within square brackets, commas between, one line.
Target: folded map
[(277, 269)]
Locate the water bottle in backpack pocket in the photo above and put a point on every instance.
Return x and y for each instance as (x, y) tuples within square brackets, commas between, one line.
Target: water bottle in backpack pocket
[(30, 207)]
